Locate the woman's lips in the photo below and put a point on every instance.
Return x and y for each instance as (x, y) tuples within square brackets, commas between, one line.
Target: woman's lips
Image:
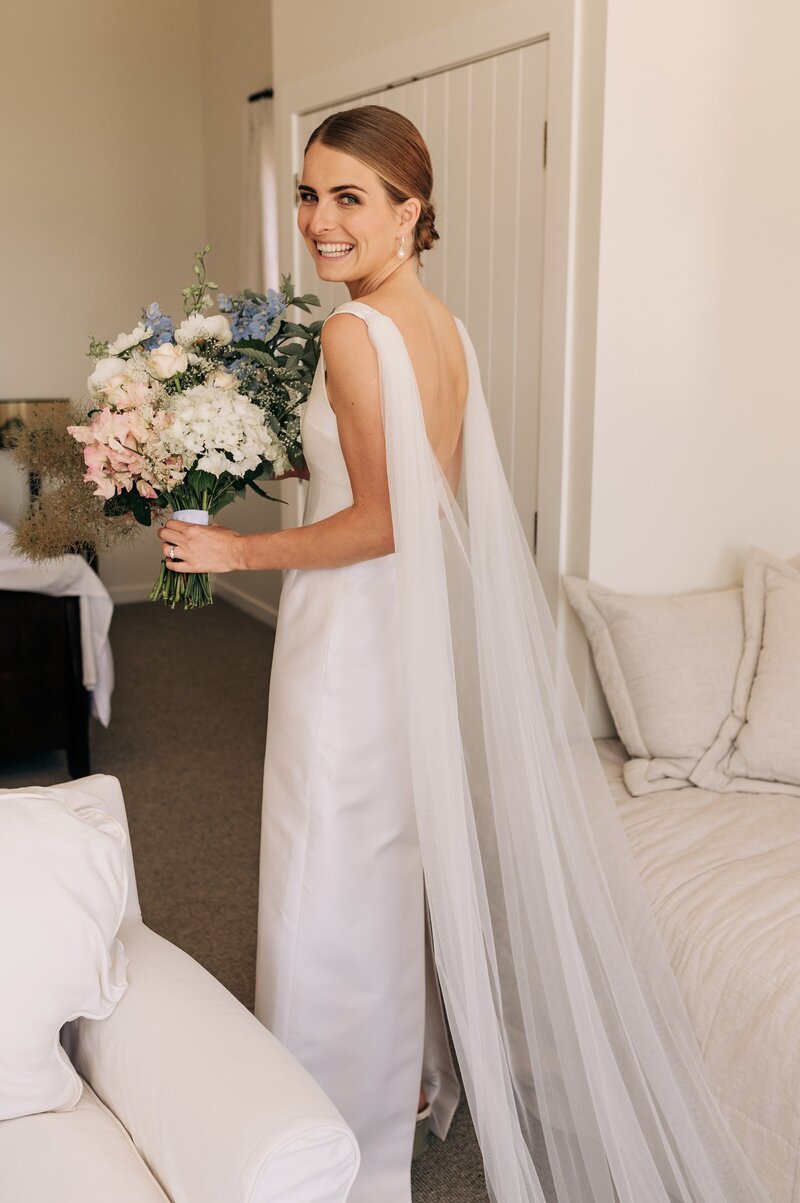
[(333, 250)]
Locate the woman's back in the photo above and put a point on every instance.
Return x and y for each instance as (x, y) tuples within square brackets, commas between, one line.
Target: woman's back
[(437, 357)]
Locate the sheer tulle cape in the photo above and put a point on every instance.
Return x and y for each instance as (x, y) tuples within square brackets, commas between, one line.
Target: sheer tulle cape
[(574, 1043)]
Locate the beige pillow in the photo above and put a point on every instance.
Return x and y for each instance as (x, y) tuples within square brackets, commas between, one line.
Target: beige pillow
[(757, 749), (667, 665)]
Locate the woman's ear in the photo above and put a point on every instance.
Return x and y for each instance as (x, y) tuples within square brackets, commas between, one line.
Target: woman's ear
[(409, 212)]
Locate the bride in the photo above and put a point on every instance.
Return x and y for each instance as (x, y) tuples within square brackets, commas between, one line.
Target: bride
[(435, 814)]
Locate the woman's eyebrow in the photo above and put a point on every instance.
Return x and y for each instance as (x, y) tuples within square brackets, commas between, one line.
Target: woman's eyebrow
[(338, 188)]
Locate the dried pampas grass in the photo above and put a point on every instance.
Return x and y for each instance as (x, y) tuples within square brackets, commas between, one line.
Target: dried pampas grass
[(65, 516)]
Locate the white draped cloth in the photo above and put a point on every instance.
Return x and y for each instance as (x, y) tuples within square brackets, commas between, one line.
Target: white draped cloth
[(70, 576), (571, 1033)]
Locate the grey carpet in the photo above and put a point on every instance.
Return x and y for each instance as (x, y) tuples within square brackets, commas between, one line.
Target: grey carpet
[(186, 741)]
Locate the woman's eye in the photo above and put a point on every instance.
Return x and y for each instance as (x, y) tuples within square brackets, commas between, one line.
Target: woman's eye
[(349, 196), (306, 196)]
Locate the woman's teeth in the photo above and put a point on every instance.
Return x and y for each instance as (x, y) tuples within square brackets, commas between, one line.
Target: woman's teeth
[(334, 250)]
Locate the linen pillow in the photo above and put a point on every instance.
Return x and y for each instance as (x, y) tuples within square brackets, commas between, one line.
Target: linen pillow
[(667, 665), (757, 749), (63, 888)]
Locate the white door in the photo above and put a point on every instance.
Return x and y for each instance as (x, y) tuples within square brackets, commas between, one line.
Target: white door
[(484, 124)]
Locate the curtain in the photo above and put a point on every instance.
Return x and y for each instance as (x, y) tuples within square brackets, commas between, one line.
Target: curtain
[(259, 225)]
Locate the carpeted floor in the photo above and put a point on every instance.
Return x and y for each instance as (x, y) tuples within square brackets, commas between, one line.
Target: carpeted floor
[(186, 740)]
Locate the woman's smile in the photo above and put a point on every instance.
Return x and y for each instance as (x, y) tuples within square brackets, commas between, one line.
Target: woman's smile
[(333, 250)]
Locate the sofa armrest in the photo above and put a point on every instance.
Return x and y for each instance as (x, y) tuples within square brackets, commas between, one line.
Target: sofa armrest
[(221, 1112)]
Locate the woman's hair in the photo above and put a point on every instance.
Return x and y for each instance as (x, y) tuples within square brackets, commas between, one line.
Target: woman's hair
[(394, 148)]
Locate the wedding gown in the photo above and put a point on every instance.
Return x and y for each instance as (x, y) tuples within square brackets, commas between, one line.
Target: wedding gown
[(425, 739), (342, 951)]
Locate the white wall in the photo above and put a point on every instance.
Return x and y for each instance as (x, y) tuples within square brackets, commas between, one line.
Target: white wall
[(697, 420), (330, 33), (696, 414), (102, 196)]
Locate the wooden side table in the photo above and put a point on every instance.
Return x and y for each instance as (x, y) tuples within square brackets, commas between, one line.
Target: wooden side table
[(43, 703)]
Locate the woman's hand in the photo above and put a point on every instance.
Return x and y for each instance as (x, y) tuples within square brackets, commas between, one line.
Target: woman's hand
[(210, 548)]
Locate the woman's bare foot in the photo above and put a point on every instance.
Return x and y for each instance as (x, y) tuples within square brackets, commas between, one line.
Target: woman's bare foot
[(423, 1102)]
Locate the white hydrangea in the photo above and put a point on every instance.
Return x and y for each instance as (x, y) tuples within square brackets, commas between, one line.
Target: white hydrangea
[(221, 431), (197, 328)]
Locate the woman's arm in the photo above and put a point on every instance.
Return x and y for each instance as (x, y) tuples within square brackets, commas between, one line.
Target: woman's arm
[(363, 530)]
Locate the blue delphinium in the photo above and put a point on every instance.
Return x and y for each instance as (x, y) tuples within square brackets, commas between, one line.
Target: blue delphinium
[(251, 313), (161, 325)]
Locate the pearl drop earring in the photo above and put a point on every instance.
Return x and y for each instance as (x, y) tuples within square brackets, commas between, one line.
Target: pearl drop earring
[(401, 253)]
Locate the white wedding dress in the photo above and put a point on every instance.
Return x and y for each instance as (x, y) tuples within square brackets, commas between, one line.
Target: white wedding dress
[(342, 965), (424, 727)]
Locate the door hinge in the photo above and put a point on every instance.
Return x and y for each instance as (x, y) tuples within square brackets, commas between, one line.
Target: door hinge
[(544, 161), (295, 182), (535, 530)]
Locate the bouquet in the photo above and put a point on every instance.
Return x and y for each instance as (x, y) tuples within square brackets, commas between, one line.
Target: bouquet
[(188, 417)]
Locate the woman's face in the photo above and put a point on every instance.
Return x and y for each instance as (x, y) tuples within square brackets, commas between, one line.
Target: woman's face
[(351, 229)]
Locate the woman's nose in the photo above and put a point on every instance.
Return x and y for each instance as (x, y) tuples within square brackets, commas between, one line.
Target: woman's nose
[(321, 222)]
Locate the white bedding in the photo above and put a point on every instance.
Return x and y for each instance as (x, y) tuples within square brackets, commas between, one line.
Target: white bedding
[(70, 575), (723, 874)]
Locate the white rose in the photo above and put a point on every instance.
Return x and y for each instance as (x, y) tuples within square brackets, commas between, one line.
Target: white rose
[(123, 342), (166, 360), (104, 370), (197, 327)]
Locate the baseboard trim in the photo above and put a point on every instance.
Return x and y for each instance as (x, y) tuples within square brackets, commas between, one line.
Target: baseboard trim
[(261, 610), (122, 595)]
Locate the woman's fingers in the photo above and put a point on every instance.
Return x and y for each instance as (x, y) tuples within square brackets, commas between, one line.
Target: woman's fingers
[(189, 548)]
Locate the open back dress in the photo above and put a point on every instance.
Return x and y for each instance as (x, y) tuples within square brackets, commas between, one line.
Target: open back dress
[(426, 742)]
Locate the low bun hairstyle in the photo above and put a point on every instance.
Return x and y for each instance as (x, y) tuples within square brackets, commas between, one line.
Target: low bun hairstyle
[(395, 150)]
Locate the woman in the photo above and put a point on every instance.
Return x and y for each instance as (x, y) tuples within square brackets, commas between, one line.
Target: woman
[(425, 740)]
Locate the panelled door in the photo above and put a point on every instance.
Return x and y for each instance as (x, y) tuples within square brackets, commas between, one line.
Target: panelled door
[(485, 125)]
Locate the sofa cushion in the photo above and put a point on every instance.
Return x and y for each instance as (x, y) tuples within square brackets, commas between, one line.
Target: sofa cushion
[(63, 885), (667, 665), (78, 1156), (757, 749), (721, 875)]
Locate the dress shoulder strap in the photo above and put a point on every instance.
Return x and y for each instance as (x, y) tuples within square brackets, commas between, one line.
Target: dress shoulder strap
[(368, 312)]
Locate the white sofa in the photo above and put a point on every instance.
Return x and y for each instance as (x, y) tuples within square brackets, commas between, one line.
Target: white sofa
[(722, 871), (187, 1097)]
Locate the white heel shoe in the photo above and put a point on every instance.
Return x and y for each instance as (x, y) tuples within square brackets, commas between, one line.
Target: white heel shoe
[(422, 1133)]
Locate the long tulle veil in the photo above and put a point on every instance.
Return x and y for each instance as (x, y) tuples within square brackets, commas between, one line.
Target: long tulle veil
[(572, 1036)]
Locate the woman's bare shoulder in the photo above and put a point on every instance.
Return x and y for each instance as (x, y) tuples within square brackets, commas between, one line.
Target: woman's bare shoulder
[(419, 313)]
